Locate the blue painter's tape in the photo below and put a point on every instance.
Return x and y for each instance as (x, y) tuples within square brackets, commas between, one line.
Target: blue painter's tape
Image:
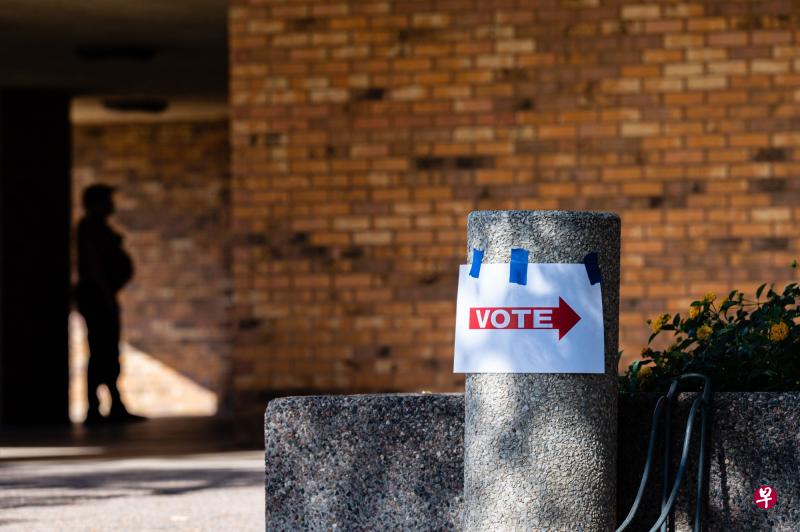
[(518, 269), (477, 259), (593, 268)]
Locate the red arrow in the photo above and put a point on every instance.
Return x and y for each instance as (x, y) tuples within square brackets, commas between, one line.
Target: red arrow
[(564, 318), (561, 317)]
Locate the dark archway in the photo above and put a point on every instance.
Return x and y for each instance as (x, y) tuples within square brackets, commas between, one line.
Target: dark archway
[(126, 63)]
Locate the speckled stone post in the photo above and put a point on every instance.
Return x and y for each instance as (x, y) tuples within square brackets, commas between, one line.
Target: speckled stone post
[(540, 450)]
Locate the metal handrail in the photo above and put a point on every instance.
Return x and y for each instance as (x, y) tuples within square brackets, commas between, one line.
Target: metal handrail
[(664, 404)]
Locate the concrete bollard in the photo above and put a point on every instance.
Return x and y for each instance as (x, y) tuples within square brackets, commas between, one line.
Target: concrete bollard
[(540, 449)]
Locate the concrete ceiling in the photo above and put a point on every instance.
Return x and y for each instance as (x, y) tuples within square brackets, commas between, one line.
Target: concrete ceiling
[(142, 48)]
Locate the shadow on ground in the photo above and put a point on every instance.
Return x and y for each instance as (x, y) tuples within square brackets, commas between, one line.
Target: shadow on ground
[(60, 466), (154, 437), (47, 490)]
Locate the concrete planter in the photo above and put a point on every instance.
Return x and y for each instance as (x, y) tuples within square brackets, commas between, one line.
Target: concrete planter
[(364, 462), (754, 440), (395, 462)]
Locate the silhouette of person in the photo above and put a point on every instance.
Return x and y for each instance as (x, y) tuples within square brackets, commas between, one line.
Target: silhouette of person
[(103, 269)]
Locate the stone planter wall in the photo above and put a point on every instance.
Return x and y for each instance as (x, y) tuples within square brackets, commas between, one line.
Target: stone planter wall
[(754, 440), (364, 462), (395, 462)]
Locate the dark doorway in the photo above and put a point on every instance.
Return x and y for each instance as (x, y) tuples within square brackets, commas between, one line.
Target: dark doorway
[(34, 257)]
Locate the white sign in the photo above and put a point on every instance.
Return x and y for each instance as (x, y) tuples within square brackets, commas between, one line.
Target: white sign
[(552, 324)]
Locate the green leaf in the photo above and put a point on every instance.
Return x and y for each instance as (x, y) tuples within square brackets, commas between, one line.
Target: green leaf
[(738, 356), (771, 293), (760, 289)]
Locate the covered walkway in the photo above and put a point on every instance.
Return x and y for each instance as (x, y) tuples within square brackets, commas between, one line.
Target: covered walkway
[(164, 474)]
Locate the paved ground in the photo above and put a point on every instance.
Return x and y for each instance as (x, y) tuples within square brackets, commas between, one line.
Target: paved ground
[(129, 480)]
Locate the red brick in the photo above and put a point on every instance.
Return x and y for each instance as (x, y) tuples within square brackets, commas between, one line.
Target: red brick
[(420, 113)]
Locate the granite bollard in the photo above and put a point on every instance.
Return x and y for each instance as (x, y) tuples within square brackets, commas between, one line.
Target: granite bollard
[(540, 449)]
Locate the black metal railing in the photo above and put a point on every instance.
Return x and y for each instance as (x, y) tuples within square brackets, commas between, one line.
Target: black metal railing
[(669, 496)]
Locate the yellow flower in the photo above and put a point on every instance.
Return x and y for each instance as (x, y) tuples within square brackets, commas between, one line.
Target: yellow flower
[(704, 332), (645, 372), (710, 297), (694, 311), (659, 322), (778, 332)]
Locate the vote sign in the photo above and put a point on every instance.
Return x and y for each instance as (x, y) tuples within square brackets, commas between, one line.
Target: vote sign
[(552, 324)]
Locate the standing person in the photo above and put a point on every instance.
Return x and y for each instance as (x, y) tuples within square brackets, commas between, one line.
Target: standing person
[(103, 269)]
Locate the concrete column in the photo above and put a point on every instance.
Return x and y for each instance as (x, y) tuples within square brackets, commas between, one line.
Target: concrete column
[(540, 449)]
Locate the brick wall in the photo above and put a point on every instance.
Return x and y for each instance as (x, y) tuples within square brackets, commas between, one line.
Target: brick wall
[(172, 208), (363, 132)]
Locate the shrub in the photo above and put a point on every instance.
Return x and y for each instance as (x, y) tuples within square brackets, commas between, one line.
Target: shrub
[(741, 344)]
